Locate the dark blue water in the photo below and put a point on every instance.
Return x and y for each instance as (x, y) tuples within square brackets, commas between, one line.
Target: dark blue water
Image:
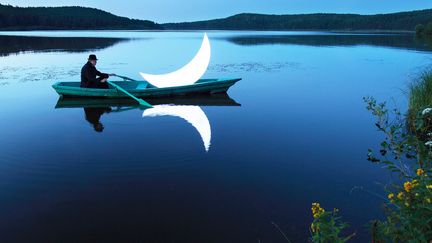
[(294, 131)]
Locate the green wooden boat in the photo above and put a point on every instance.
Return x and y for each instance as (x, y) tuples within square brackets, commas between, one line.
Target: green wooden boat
[(143, 89)]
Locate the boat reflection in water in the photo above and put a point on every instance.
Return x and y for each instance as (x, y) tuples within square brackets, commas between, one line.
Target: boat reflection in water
[(192, 114), (93, 115), (187, 108)]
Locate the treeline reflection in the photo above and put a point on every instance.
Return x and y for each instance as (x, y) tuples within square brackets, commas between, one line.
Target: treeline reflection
[(403, 41), (17, 44)]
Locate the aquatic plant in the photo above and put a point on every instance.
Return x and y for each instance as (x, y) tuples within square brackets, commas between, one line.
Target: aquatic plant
[(399, 145), (407, 153), (409, 206), (327, 226), (409, 212)]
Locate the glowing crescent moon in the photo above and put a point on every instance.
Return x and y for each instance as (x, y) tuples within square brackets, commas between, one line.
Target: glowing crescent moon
[(192, 114), (186, 75)]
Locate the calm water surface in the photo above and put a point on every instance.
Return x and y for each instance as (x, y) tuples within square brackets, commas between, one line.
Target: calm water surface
[(294, 131)]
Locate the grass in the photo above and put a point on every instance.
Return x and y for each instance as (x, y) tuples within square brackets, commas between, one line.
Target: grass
[(420, 96)]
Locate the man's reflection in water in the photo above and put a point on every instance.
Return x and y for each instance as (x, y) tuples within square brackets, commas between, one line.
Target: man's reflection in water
[(93, 115)]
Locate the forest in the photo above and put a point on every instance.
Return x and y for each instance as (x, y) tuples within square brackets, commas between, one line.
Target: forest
[(405, 21), (83, 18), (66, 18)]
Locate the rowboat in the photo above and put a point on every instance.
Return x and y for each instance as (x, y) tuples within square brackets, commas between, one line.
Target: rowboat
[(143, 89)]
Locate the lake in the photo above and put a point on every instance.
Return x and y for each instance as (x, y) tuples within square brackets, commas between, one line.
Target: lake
[(294, 131)]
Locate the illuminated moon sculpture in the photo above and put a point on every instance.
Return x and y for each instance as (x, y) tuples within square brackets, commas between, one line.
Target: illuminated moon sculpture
[(192, 114), (186, 75)]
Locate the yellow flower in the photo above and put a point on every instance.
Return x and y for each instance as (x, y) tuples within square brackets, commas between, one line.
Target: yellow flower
[(400, 195), (429, 186), (420, 172), (317, 210), (408, 186), (414, 183), (390, 196)]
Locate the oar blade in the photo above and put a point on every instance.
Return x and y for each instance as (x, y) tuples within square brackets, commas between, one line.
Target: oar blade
[(145, 104), (140, 101)]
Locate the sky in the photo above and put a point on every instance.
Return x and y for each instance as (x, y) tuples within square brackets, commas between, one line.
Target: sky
[(163, 11)]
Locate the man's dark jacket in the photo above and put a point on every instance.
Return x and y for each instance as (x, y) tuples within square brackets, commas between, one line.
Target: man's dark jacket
[(89, 75)]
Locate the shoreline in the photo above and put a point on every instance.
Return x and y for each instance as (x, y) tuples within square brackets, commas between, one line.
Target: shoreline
[(217, 30)]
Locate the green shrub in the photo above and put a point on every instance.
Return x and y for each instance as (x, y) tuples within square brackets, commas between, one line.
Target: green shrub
[(409, 212), (420, 96), (409, 155), (327, 226), (406, 154)]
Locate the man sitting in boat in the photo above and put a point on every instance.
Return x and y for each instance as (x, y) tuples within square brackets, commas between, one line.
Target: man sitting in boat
[(89, 75)]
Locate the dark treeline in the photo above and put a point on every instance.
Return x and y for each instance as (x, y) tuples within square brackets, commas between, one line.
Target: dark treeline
[(64, 18), (395, 21), (82, 18)]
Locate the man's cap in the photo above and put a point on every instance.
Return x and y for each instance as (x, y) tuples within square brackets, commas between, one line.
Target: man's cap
[(92, 57)]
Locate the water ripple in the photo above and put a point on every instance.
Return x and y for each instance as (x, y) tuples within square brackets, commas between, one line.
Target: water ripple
[(254, 67)]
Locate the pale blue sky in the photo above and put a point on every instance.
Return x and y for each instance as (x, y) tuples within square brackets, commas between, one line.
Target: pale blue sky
[(186, 10)]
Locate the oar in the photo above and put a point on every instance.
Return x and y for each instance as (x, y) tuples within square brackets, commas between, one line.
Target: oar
[(140, 101), (126, 78)]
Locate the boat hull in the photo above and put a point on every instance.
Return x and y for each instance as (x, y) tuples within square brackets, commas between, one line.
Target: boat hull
[(145, 90)]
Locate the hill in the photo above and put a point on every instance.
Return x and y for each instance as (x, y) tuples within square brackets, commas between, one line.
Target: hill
[(66, 18), (319, 21), (83, 18)]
